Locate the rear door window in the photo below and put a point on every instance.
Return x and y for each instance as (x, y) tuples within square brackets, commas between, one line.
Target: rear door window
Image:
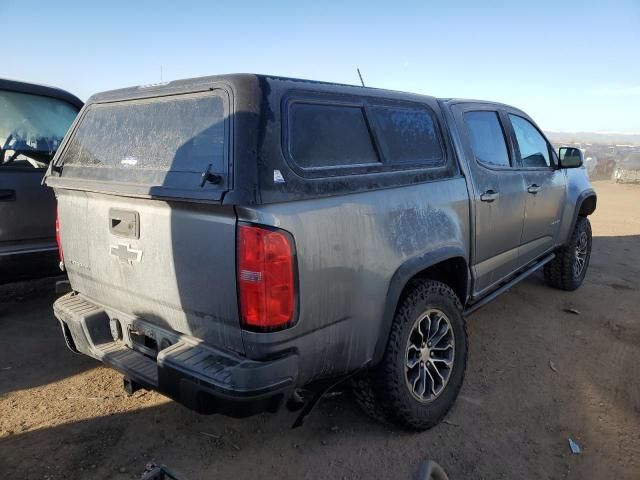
[(168, 141), (487, 138), (328, 136), (408, 135)]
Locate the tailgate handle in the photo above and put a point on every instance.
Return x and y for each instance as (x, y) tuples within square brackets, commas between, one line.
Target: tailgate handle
[(7, 195), (124, 223)]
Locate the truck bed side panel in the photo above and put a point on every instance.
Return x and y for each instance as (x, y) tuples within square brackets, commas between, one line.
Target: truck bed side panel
[(349, 248)]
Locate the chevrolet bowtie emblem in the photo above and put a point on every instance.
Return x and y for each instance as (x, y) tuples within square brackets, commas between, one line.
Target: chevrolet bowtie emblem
[(126, 253)]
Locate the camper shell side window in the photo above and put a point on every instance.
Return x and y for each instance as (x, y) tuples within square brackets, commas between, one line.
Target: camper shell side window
[(334, 135)]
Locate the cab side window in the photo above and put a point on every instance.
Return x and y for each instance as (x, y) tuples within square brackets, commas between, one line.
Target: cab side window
[(487, 138), (534, 150)]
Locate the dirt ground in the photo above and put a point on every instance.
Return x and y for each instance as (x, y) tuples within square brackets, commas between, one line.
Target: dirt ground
[(536, 376)]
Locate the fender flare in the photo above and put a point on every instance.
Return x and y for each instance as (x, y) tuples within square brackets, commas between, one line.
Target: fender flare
[(583, 197), (405, 272)]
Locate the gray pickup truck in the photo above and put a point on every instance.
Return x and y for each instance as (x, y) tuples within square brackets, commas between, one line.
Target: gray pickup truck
[(237, 242)]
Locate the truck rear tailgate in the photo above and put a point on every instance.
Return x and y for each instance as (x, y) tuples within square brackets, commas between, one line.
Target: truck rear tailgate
[(171, 263)]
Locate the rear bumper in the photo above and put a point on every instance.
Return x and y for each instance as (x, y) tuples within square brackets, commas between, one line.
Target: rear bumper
[(201, 377)]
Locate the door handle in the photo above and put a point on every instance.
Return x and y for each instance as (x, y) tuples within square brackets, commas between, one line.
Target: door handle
[(7, 195), (534, 188), (489, 196)]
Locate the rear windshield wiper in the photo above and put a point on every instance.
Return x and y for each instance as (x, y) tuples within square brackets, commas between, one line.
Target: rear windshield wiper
[(208, 176)]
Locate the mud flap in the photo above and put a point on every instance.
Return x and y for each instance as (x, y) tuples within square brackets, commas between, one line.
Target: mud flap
[(319, 389)]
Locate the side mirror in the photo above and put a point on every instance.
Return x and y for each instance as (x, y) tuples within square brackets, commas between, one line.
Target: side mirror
[(570, 157)]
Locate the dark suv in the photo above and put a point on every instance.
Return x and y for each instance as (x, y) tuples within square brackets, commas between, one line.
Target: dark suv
[(231, 240), (33, 121)]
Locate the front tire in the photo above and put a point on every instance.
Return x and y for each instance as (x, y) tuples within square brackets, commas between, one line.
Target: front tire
[(568, 269), (423, 367)]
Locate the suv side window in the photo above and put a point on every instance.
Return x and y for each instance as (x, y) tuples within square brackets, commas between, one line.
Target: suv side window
[(534, 150), (487, 138), (326, 136), (408, 135), (31, 129)]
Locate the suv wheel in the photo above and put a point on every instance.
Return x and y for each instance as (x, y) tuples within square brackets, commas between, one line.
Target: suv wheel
[(422, 370), (568, 269)]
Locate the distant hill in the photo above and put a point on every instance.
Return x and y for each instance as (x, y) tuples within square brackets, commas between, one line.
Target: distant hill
[(595, 137)]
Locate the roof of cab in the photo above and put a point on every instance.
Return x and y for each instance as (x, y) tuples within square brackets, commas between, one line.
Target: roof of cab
[(43, 90)]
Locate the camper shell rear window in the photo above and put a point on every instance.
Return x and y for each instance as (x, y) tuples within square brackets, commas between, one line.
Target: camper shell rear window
[(159, 143)]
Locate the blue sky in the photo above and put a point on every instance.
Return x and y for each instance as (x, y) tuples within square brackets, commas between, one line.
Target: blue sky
[(573, 66)]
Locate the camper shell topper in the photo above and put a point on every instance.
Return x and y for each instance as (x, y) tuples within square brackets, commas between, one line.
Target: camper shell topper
[(245, 139)]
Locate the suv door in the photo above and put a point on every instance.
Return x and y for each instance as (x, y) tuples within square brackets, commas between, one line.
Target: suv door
[(31, 128), (499, 194), (27, 211), (545, 185)]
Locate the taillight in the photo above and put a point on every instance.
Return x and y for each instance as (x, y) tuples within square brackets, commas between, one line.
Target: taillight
[(266, 285), (59, 242)]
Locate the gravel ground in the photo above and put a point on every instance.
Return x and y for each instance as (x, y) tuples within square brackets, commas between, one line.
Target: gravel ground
[(537, 375)]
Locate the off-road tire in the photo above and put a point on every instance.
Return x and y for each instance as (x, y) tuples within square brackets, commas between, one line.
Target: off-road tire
[(559, 272), (383, 393)]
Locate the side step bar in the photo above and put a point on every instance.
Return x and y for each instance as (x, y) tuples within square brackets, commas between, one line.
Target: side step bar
[(507, 286)]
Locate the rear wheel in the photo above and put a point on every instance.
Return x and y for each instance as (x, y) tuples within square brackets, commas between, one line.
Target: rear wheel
[(568, 269), (422, 370)]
